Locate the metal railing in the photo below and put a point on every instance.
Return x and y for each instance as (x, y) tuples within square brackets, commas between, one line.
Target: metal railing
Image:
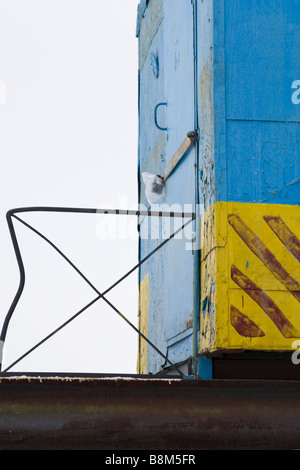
[(12, 214)]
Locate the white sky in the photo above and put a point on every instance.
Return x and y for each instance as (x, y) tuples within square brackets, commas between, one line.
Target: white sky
[(68, 137)]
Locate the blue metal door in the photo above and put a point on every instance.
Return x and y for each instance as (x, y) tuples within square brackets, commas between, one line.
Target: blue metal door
[(179, 84), (166, 107)]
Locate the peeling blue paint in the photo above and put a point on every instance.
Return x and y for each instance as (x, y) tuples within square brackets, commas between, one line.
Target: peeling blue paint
[(167, 76)]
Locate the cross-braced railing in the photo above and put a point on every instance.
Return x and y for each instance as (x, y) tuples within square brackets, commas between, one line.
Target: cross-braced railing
[(12, 215)]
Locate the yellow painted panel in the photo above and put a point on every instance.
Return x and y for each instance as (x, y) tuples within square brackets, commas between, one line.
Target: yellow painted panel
[(250, 277), (143, 324)]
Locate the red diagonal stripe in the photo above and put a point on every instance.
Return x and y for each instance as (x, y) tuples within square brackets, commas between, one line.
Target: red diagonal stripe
[(243, 324), (265, 302)]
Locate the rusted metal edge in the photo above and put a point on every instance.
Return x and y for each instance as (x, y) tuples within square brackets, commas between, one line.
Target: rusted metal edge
[(148, 414)]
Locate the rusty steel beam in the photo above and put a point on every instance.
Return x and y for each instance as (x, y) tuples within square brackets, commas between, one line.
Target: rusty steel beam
[(148, 414)]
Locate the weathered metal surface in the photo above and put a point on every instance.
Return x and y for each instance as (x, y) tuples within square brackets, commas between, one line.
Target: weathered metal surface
[(152, 143), (144, 414), (166, 76), (250, 300), (246, 95)]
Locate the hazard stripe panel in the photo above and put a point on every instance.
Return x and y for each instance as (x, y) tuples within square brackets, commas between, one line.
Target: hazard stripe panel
[(250, 264)]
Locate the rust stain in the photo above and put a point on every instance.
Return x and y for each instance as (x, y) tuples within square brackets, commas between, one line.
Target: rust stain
[(243, 324), (265, 302), (189, 323), (264, 254), (285, 235)]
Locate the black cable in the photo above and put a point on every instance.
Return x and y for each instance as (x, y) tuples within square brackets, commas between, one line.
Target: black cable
[(51, 334)]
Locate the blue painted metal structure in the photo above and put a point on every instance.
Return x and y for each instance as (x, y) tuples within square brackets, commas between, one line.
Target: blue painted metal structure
[(169, 45), (230, 68)]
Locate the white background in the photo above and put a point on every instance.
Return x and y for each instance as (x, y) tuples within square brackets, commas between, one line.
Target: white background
[(68, 137)]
